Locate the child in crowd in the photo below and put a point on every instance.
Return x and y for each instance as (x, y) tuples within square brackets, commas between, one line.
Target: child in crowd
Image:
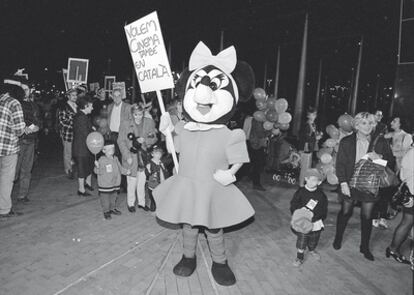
[(108, 170), (156, 173), (309, 207)]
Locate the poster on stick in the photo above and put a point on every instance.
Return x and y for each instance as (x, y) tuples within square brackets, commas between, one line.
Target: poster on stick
[(78, 70), (108, 81), (149, 56), (120, 86), (68, 85)]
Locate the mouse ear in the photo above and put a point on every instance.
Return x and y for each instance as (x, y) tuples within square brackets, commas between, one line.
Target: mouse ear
[(243, 74), (182, 82)]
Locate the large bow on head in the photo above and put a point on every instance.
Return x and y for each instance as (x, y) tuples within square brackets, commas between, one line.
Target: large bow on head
[(201, 56)]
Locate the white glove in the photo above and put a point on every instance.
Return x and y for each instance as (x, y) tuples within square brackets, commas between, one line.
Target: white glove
[(165, 123), (224, 177)]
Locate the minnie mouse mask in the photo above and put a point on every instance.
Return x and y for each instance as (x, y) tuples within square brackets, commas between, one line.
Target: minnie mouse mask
[(214, 85)]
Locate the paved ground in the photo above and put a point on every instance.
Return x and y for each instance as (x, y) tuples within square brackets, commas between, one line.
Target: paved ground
[(62, 245)]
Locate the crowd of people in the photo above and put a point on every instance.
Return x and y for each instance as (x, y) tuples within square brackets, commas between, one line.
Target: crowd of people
[(134, 159)]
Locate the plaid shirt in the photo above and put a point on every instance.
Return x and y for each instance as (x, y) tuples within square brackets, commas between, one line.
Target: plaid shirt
[(66, 115), (11, 125)]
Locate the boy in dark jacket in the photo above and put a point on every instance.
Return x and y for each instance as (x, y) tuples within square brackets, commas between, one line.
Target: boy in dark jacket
[(108, 170), (156, 173), (312, 198)]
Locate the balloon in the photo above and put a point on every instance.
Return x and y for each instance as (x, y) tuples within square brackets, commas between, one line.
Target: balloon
[(259, 93), (103, 122), (319, 167), (276, 131), (324, 150), (259, 116), (281, 105), (326, 158), (328, 168), (284, 126), (271, 103), (330, 142), (284, 118), (261, 104), (332, 178), (268, 125), (271, 115), (332, 131), (95, 142), (345, 122)]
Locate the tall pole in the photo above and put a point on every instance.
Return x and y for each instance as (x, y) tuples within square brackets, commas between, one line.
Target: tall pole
[(134, 84), (170, 60), (377, 92), (300, 95), (221, 40), (358, 72), (265, 76), (318, 87), (351, 90), (277, 73)]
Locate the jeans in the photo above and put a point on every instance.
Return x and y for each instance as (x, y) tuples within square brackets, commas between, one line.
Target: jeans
[(108, 200), (257, 161), (136, 185), (67, 156), (24, 167), (7, 173)]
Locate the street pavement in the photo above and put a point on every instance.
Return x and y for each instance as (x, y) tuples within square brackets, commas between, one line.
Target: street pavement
[(63, 245)]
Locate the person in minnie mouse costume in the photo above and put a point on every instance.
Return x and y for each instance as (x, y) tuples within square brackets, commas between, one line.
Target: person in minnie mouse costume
[(202, 195)]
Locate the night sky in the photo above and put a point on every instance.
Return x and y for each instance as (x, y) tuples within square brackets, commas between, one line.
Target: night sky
[(43, 34)]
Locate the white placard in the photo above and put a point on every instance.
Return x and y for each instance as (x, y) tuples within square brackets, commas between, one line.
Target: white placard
[(78, 70), (149, 56)]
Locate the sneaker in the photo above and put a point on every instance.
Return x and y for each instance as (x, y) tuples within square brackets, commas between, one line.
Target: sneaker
[(375, 222), (383, 223), (315, 255), (107, 215), (298, 262)]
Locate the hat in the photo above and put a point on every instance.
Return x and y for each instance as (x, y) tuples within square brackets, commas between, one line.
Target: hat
[(82, 88), (313, 172), (69, 91), (109, 142), (16, 80), (302, 220)]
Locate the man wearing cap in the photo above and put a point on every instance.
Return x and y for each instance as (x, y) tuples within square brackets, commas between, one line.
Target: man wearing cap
[(11, 127), (65, 118), (27, 144)]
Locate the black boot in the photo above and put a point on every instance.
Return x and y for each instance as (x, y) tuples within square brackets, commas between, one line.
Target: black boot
[(366, 228), (223, 274), (185, 267)]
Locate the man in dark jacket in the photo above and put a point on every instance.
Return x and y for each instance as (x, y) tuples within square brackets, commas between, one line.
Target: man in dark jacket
[(27, 144)]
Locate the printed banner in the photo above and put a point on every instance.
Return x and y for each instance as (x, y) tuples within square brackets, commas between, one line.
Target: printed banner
[(109, 80), (78, 70), (149, 56)]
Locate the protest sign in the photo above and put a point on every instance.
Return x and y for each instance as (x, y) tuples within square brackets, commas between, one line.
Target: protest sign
[(94, 86), (78, 70), (121, 86), (108, 81), (149, 56), (68, 85)]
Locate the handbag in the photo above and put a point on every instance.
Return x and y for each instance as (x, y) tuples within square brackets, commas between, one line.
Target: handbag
[(389, 178), (366, 177), (401, 196)]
